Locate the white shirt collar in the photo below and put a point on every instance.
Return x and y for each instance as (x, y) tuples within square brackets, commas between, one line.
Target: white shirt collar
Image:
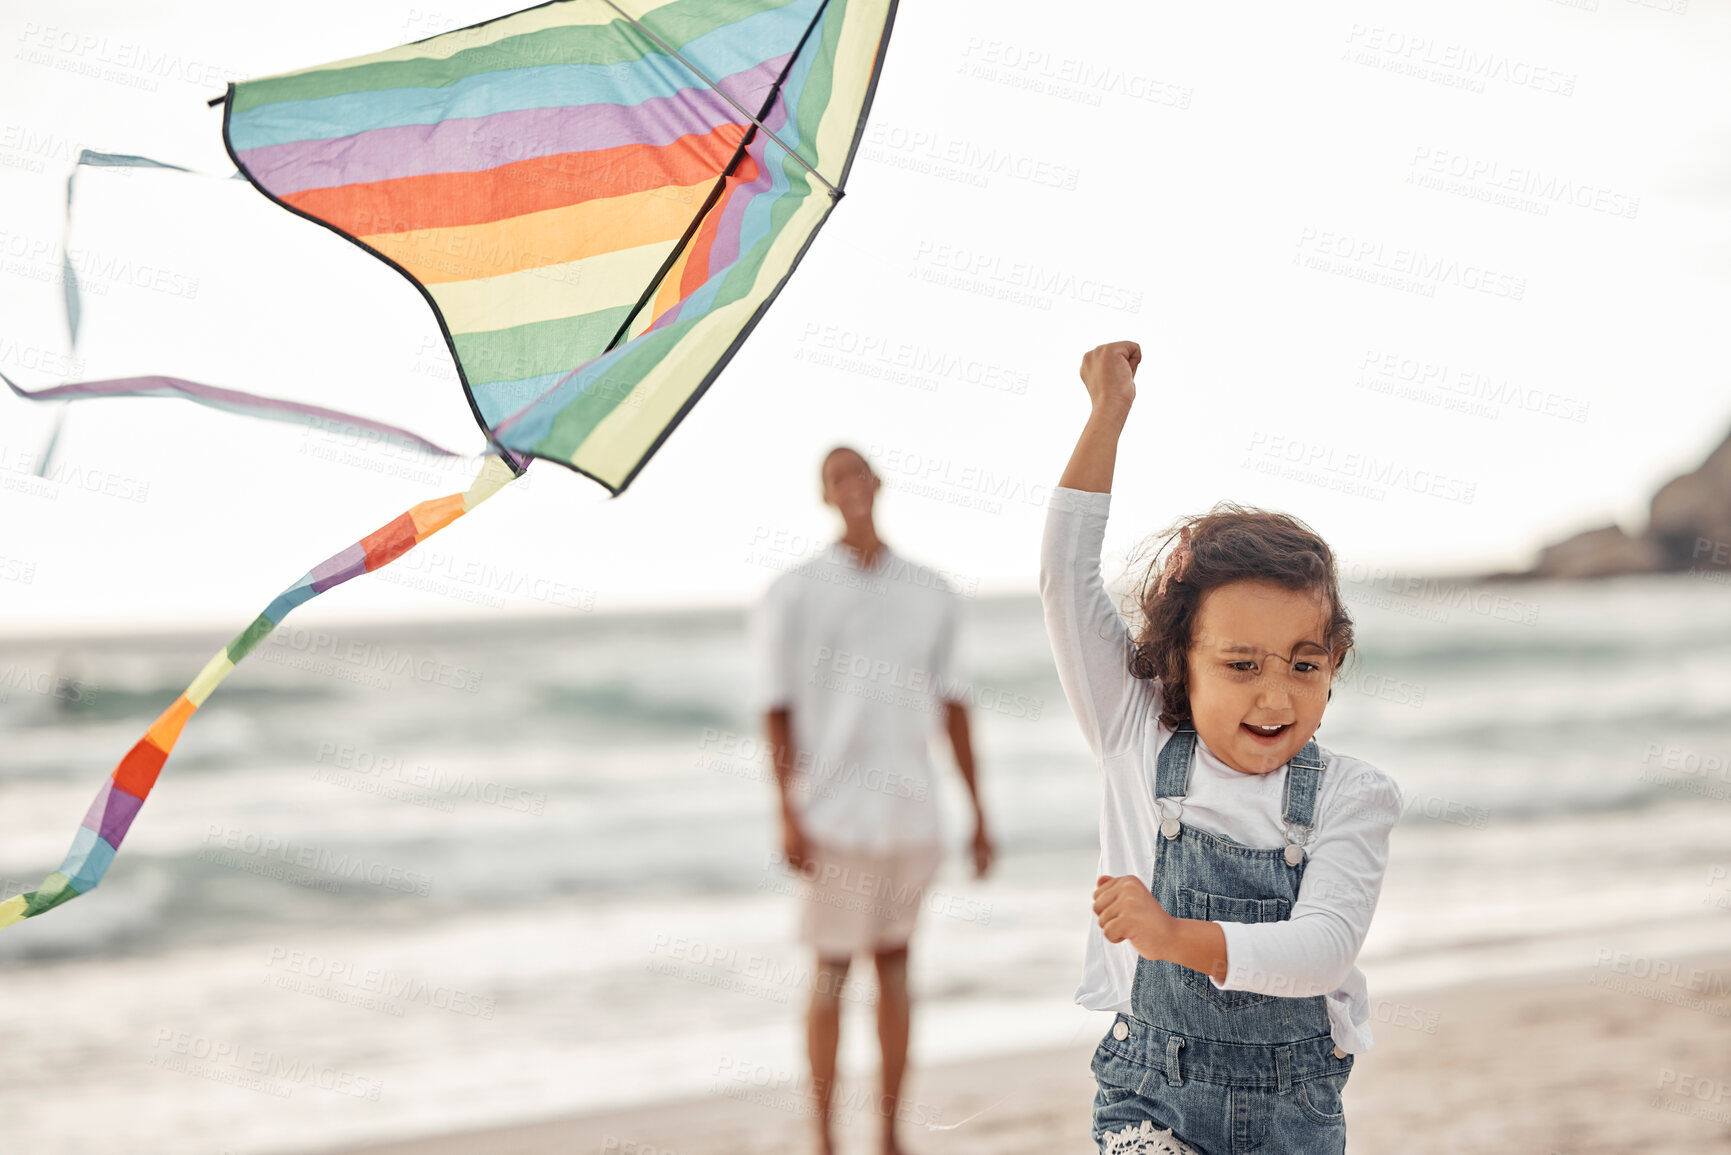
[(843, 555)]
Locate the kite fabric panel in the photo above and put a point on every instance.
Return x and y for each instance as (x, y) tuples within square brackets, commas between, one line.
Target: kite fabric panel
[(598, 199), (123, 793)]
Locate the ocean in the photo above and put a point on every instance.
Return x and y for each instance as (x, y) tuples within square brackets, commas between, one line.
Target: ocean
[(416, 878)]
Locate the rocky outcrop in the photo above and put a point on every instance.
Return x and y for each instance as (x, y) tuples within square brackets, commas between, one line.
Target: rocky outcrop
[(1688, 528)]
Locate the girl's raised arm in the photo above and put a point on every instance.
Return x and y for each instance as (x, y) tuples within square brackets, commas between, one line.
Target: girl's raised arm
[(1090, 641), (1109, 372)]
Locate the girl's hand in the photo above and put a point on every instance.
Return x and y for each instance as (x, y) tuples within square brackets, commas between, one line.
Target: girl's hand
[(1126, 909), (1109, 372)]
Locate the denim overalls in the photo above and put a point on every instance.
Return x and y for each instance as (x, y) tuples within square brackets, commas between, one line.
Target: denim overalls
[(1228, 1072)]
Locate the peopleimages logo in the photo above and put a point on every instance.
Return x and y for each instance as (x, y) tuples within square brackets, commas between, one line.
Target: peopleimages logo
[(1380, 368), (370, 657), (1368, 258), (813, 774), (30, 465), (913, 686), (1268, 450), (1043, 282), (256, 1068), (1616, 969), (355, 767), (352, 867), (336, 979), (957, 482)]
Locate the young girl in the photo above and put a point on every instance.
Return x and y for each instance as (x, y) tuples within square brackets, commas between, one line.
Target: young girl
[(1241, 861)]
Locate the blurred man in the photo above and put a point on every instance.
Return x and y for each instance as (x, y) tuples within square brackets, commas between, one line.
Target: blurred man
[(856, 646)]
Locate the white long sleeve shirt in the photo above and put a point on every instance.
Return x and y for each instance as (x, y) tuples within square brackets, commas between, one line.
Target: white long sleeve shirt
[(1311, 953)]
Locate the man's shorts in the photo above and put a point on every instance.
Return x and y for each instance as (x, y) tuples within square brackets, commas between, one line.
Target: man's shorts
[(856, 901)]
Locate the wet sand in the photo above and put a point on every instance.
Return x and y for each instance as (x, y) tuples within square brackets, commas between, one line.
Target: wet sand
[(1596, 1061)]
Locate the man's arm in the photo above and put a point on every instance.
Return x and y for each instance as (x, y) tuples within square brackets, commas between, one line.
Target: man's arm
[(778, 726), (771, 626), (956, 718)]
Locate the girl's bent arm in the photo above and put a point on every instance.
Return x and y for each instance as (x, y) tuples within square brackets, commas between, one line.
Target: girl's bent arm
[(1314, 951)]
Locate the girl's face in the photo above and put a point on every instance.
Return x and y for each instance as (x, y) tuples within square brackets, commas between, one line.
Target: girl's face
[(1258, 661)]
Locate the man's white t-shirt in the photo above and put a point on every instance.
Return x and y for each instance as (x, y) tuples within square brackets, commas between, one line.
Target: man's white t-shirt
[(1311, 953), (862, 660)]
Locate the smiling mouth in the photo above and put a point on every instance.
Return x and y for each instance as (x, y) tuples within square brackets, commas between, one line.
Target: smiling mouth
[(1265, 733)]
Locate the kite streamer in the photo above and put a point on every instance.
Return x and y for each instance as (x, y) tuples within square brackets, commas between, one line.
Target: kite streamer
[(232, 400), (121, 796)]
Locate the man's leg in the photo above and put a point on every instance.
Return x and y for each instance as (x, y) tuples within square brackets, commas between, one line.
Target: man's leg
[(893, 1017), (823, 1032)]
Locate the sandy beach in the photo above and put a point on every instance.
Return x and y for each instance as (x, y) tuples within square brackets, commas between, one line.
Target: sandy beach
[(1601, 1060)]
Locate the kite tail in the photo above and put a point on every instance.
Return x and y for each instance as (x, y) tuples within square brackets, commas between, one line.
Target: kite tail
[(231, 400), (118, 802)]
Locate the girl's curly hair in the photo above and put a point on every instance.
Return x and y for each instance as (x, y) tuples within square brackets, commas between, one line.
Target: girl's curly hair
[(1230, 542)]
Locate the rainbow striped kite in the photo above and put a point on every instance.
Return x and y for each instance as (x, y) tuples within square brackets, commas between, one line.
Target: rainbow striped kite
[(598, 204)]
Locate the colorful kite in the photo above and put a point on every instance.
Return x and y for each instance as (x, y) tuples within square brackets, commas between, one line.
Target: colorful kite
[(598, 204)]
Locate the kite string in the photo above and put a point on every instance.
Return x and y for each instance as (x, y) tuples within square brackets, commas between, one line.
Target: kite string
[(110, 816)]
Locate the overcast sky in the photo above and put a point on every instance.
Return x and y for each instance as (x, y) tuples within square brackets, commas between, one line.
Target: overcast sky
[(1445, 280)]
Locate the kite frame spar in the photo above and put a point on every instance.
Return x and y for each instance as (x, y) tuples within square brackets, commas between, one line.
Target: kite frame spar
[(518, 459)]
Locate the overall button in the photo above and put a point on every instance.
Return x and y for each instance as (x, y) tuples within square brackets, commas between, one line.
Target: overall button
[(1338, 1053), (1169, 827), (1122, 1032), (1294, 854)]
